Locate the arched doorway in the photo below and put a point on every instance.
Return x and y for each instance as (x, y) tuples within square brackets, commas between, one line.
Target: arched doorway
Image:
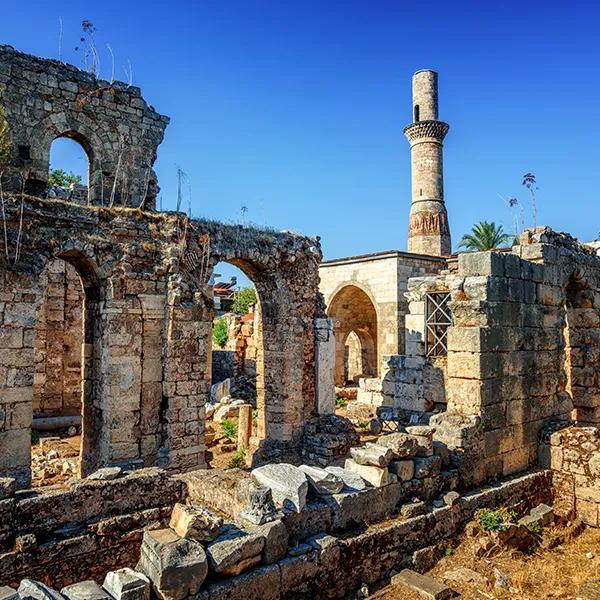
[(71, 161), (355, 324)]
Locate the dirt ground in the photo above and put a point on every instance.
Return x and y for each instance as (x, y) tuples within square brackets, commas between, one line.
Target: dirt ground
[(558, 573), (54, 459)]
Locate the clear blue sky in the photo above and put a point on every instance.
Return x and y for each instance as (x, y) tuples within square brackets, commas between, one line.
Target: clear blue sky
[(295, 110)]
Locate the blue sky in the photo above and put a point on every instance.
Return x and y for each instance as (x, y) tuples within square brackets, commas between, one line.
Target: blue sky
[(295, 110)]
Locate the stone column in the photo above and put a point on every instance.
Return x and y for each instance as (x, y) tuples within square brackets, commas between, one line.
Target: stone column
[(244, 426), (324, 366)]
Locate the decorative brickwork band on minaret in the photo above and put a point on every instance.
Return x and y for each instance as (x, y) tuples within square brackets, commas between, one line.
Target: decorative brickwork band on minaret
[(428, 230)]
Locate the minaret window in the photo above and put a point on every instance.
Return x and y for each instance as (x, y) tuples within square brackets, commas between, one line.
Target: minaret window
[(416, 113)]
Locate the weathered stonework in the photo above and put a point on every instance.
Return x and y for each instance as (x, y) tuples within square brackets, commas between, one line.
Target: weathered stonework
[(120, 133)]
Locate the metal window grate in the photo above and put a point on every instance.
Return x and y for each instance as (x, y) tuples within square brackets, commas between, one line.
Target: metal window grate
[(438, 319)]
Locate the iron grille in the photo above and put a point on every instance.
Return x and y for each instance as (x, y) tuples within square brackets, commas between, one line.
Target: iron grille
[(438, 319)]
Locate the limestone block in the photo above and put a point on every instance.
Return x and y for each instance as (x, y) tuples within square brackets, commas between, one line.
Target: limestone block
[(8, 593), (353, 482), (403, 469), (235, 551), (423, 436), (426, 586), (127, 584), (376, 476), (85, 590), (276, 540), (34, 590), (428, 466), (105, 474), (195, 522), (401, 444), (322, 482), (288, 484), (542, 515), (372, 454), (176, 566), (7, 487)]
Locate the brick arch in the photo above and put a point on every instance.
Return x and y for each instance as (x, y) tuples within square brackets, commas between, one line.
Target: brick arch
[(352, 310)]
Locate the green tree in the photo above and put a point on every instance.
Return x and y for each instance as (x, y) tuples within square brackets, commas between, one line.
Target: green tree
[(63, 179), (484, 236), (243, 300), (219, 333)]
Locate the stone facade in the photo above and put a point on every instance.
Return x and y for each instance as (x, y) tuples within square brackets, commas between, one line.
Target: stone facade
[(365, 295), (120, 133), (147, 330)]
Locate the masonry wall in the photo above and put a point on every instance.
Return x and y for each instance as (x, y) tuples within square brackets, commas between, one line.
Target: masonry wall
[(120, 133)]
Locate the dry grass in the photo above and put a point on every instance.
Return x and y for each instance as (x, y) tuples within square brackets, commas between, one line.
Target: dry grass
[(555, 574)]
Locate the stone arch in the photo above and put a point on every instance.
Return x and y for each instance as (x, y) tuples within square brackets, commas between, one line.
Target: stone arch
[(582, 348), (352, 310)]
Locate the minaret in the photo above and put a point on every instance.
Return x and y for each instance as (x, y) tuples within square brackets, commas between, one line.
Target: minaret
[(428, 230)]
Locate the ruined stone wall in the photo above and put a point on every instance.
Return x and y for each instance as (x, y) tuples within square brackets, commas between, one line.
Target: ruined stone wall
[(523, 350), (120, 133), (573, 454), (59, 343), (147, 332)]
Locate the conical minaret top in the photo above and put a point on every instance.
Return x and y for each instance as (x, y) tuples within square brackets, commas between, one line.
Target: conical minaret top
[(428, 230)]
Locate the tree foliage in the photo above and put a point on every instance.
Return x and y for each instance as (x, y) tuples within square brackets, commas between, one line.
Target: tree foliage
[(485, 235), (219, 332), (61, 178), (243, 300)]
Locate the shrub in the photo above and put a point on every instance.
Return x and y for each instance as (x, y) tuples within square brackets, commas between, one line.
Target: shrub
[(220, 334), (243, 300), (229, 429), (341, 402), (238, 460), (494, 519)]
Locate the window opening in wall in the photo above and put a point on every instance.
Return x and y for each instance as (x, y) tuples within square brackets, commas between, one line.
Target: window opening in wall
[(416, 113), (438, 319), (69, 171)]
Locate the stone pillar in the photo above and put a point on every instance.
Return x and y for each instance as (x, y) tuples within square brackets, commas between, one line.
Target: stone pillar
[(244, 426), (428, 232), (324, 365)]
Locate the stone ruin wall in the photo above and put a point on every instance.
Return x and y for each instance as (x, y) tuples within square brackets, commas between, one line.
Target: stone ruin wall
[(148, 330), (120, 133)]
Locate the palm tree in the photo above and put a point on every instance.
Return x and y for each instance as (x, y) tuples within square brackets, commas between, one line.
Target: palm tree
[(484, 236)]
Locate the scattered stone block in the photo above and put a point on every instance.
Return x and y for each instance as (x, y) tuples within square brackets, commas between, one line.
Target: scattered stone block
[(25, 543), (541, 516), (403, 469), (426, 586), (501, 579), (234, 551), (401, 444), (590, 590), (7, 487), (276, 541), (322, 482), (423, 435), (352, 480), (428, 466), (465, 575), (262, 509), (8, 593), (85, 590), (127, 584), (288, 484), (372, 455), (105, 474), (451, 498), (196, 523), (376, 476), (300, 550), (176, 566), (35, 590)]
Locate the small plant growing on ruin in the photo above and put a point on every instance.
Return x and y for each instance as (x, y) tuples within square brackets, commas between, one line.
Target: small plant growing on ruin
[(243, 299), (364, 425), (229, 429), (238, 460), (448, 551), (340, 402), (220, 334), (494, 519), (61, 178), (534, 528), (530, 184)]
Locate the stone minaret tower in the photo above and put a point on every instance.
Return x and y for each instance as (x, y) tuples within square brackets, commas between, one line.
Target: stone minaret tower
[(428, 230)]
